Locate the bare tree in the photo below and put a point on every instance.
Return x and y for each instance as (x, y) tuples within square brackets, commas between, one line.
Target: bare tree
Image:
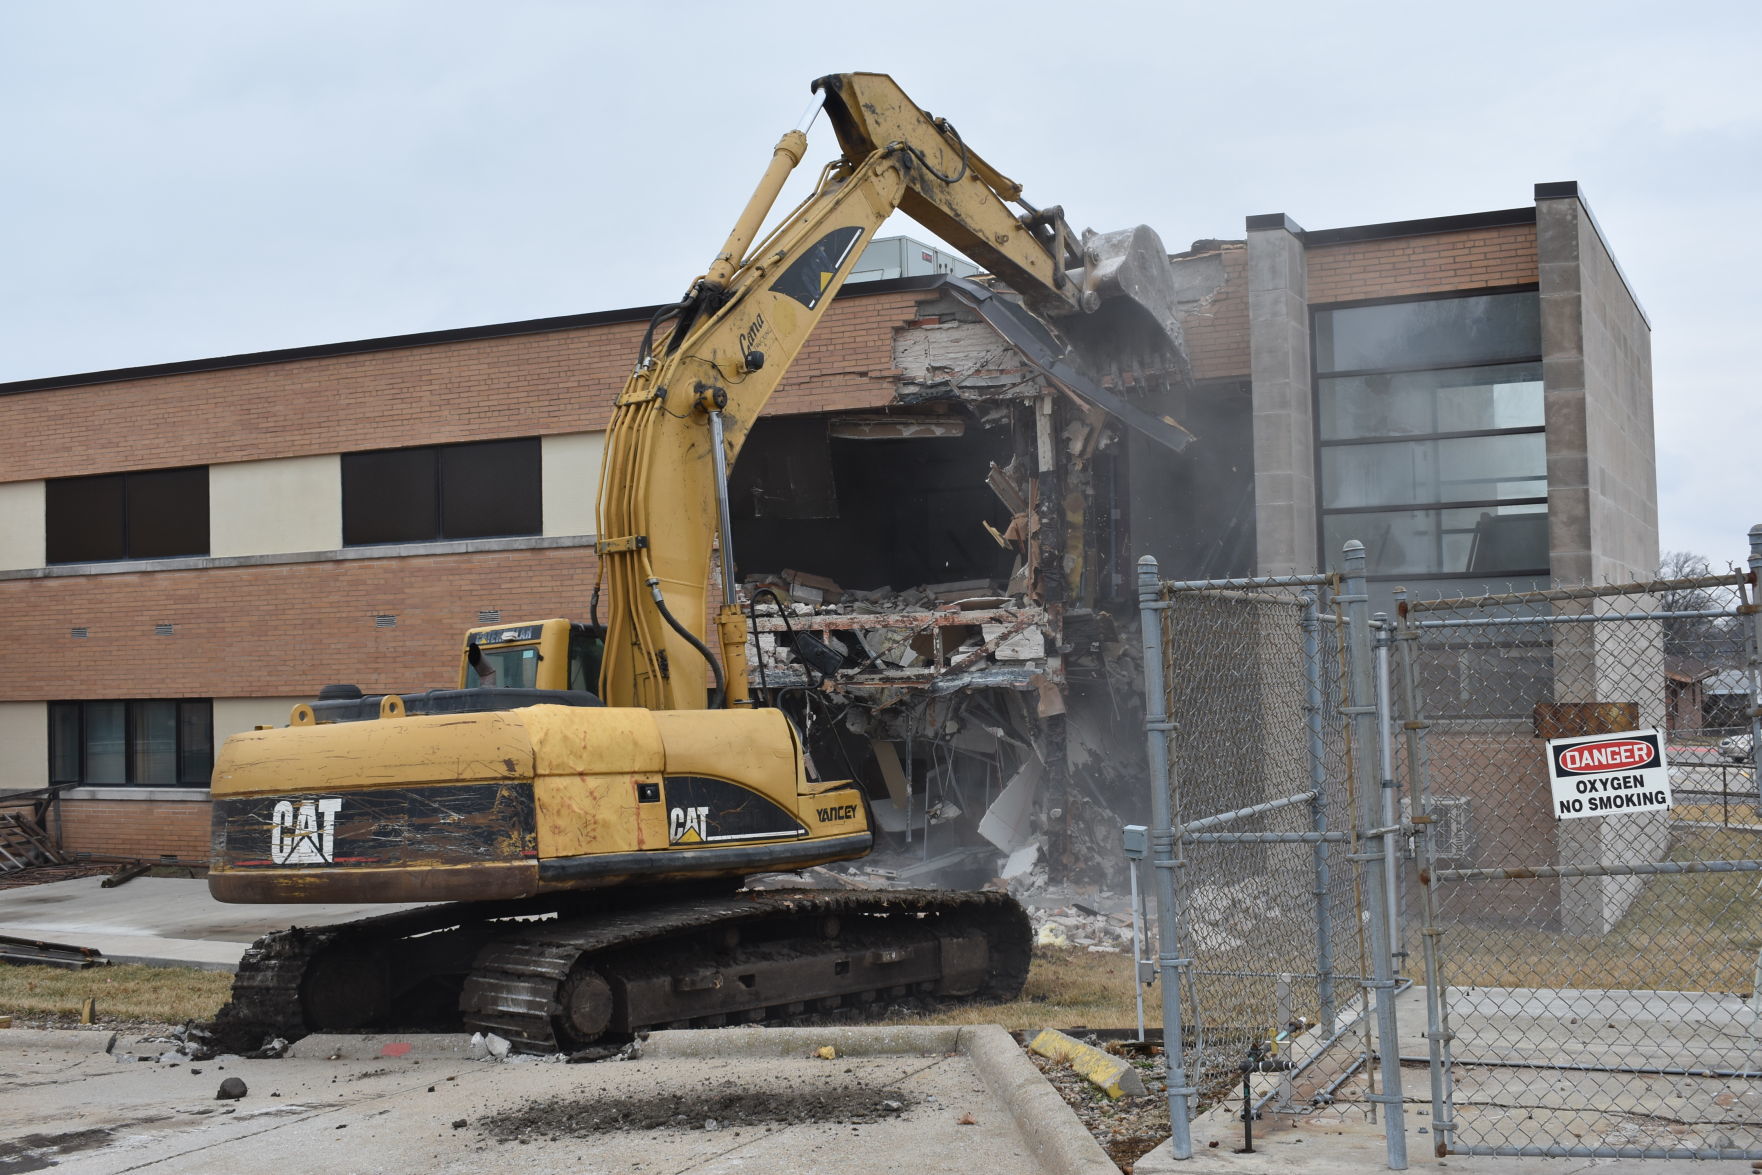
[(1711, 640)]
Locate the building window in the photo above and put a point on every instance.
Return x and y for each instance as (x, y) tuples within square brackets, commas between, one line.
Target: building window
[(154, 514), (1430, 441), (421, 495), (143, 742)]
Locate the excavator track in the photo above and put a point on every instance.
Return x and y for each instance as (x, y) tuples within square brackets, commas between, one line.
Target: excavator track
[(562, 983)]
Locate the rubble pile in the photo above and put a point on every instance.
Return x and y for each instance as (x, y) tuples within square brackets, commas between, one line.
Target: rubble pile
[(1080, 926), (826, 632)]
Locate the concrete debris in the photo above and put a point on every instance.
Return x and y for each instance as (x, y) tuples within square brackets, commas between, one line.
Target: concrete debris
[(1008, 822), (487, 1046), (1224, 917), (1020, 862), (1057, 921)]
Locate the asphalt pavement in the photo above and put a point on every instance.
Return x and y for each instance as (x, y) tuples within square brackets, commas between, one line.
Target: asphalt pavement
[(164, 921)]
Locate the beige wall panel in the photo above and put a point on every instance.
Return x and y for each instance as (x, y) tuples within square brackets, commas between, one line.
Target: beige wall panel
[(276, 507), (24, 745), (572, 482), (21, 525), (235, 715)]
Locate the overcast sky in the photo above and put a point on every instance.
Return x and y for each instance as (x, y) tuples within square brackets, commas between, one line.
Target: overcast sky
[(187, 179)]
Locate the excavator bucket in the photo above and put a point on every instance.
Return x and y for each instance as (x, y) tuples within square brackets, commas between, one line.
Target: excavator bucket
[(1129, 294)]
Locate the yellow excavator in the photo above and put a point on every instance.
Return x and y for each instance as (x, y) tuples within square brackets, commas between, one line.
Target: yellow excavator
[(578, 816)]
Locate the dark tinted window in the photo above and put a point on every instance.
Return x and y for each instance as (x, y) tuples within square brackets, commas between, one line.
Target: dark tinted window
[(1434, 333), (84, 519), (156, 514), (1441, 470), (419, 495), (165, 743), (167, 513), (390, 497), (490, 489)]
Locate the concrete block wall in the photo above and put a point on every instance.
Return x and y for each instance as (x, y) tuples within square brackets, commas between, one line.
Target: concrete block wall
[(1279, 360), (1597, 363)]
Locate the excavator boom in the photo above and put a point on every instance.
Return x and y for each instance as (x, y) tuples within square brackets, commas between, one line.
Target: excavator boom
[(736, 333)]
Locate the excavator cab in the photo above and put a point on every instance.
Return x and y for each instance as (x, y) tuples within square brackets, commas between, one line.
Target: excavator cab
[(544, 654)]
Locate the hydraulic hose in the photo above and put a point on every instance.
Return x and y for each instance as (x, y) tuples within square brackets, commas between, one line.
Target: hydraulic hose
[(719, 696)]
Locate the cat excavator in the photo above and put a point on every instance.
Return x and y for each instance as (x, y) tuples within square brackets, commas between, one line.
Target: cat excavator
[(573, 824)]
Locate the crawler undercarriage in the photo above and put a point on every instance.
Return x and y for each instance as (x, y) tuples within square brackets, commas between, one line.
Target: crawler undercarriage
[(583, 971)]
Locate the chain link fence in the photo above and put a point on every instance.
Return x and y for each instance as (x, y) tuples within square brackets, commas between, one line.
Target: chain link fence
[(1512, 843), (1590, 903), (1269, 948)]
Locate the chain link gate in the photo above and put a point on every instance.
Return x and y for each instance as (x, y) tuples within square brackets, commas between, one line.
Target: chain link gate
[(1593, 982), (1272, 835)]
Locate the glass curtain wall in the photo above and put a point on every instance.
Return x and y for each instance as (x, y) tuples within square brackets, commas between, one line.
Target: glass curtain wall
[(1431, 448)]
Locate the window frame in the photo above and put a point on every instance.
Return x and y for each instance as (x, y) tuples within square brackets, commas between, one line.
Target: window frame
[(179, 749), (1318, 444), (437, 472), (122, 477)]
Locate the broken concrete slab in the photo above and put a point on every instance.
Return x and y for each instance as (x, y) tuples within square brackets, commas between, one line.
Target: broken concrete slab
[(1009, 822)]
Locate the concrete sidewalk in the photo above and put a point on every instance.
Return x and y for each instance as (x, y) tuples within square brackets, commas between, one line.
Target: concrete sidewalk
[(1505, 1095), (163, 921), (923, 1100)]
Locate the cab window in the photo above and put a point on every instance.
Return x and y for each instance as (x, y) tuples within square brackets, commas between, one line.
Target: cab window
[(514, 667)]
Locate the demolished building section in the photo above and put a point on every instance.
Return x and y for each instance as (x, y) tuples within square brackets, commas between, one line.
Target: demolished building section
[(942, 590)]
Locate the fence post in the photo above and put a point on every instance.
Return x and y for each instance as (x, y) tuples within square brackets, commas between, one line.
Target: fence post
[(1753, 639), (1165, 860), (1318, 783), (1390, 800), (1363, 710), (1419, 801)]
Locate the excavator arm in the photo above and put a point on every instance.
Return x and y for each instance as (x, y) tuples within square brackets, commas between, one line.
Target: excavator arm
[(709, 364)]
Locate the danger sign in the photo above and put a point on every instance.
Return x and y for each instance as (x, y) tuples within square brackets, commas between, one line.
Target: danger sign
[(1608, 774)]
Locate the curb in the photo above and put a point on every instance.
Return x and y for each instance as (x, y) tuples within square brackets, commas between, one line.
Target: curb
[(162, 961), (62, 1040), (1059, 1140)]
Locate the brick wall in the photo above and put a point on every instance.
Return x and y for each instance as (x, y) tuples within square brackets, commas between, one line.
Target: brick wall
[(276, 630), (130, 828), (1407, 266), (1217, 331), (557, 382)]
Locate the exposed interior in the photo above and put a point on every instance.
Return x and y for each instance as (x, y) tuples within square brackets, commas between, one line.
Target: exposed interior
[(873, 500)]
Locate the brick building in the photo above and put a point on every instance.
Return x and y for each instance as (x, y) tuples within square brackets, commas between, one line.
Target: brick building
[(188, 549)]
